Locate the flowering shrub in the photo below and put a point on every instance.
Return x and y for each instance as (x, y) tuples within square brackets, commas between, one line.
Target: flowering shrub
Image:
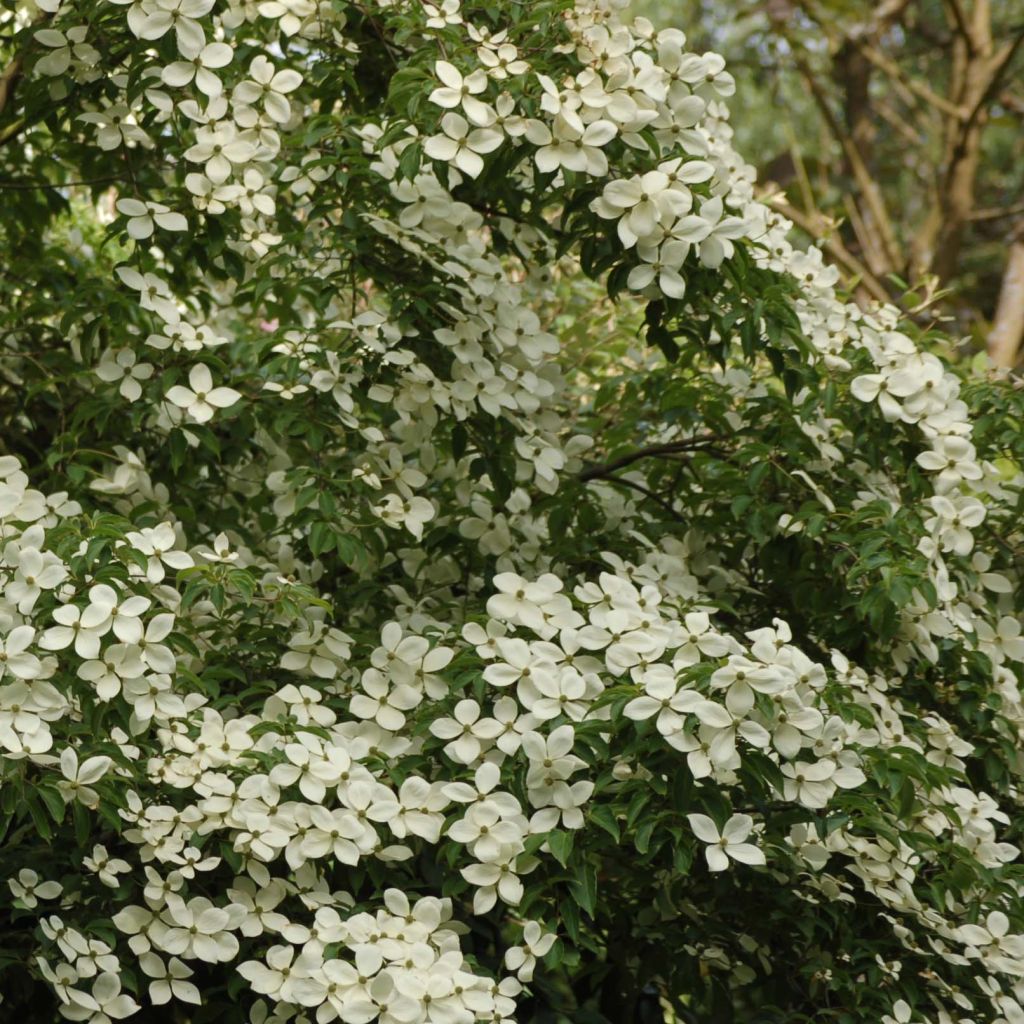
[(388, 635)]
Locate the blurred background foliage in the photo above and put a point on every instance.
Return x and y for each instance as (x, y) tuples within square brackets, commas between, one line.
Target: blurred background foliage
[(892, 134)]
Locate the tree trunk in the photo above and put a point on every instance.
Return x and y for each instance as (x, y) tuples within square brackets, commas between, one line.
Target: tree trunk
[(1008, 324)]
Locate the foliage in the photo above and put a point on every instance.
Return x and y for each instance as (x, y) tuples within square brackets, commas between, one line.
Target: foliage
[(460, 562)]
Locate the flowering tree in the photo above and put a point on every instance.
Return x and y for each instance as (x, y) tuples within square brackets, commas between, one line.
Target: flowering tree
[(460, 563)]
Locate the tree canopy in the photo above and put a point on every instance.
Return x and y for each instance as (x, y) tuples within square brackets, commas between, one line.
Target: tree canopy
[(460, 561)]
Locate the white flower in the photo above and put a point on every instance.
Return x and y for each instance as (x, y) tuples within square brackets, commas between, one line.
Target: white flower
[(954, 459), (502, 62), (885, 388), (663, 271), (576, 151), (465, 730), (121, 365), (28, 890), (218, 146), (384, 703), (80, 628), (78, 778), (197, 64), (268, 86), (154, 18), (202, 400), (198, 930), (446, 13), (730, 842), (104, 1004), (144, 215), (412, 513), (158, 543), (35, 572), (107, 868), (641, 203), (536, 943), (460, 146), (290, 13), (64, 48), (14, 656), (457, 90), (117, 126), (169, 980), (285, 976)]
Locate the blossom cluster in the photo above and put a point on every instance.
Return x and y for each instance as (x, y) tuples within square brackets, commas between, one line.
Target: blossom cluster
[(310, 669)]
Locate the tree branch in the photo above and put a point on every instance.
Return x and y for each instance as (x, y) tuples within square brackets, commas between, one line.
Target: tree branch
[(646, 491), (961, 23), (866, 184), (896, 73), (602, 470)]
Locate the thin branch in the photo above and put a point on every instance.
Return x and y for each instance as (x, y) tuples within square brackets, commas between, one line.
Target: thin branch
[(603, 469), (999, 64), (646, 491), (961, 23), (897, 74), (899, 125), (867, 186), (8, 81), (996, 212)]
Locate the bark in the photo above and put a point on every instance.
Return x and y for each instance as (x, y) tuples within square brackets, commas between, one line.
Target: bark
[(1008, 324)]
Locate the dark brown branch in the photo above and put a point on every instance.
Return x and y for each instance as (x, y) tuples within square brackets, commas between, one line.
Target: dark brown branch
[(646, 491), (604, 469)]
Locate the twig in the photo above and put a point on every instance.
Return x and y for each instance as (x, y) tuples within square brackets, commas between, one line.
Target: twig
[(995, 212), (961, 23), (647, 491), (866, 184), (897, 74), (668, 448)]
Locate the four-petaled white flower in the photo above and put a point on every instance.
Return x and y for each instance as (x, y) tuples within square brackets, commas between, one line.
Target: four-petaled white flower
[(28, 889), (202, 399), (269, 87), (199, 64), (461, 146), (122, 365), (728, 843)]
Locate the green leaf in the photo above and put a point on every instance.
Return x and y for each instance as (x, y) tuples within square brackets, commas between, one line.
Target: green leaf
[(54, 802), (560, 844), (642, 839), (603, 815), (584, 886)]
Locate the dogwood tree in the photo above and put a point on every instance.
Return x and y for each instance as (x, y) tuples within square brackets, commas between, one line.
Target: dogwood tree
[(459, 561)]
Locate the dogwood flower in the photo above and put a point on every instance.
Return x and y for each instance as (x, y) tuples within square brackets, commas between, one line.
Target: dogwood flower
[(199, 64), (121, 365), (535, 944), (727, 843), (168, 980), (79, 778), (202, 399), (28, 889), (103, 1004), (461, 146), (458, 90), (15, 657)]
